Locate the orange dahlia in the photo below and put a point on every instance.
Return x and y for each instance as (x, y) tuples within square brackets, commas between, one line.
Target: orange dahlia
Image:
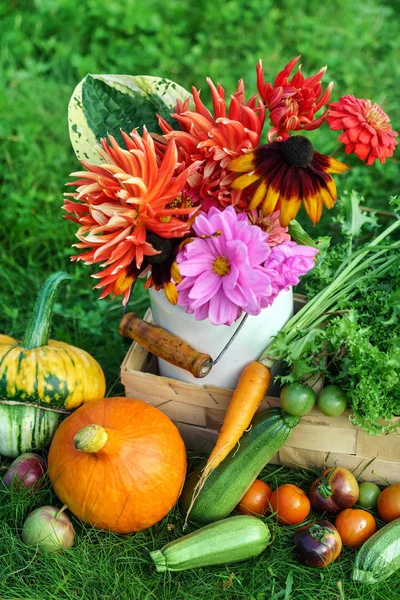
[(292, 104), (366, 128), (289, 173), (124, 212), (214, 139)]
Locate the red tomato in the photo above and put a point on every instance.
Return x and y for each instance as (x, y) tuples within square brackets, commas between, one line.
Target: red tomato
[(290, 503), (389, 503), (255, 502), (355, 526), (334, 491)]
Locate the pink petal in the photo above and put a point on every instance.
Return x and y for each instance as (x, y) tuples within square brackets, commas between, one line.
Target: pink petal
[(206, 285)]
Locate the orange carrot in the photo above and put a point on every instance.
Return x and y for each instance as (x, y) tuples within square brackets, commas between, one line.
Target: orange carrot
[(247, 397)]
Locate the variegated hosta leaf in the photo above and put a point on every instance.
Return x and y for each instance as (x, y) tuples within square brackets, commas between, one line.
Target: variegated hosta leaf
[(105, 104)]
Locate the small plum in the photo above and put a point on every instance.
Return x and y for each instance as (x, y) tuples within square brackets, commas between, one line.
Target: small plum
[(27, 471)]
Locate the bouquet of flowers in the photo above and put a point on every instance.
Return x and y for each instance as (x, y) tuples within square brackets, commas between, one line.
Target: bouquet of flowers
[(203, 203)]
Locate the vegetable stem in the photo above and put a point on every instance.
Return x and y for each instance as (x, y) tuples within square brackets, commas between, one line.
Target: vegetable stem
[(367, 264), (91, 438), (37, 333)]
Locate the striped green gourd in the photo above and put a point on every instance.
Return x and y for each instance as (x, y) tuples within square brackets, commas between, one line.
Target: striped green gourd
[(40, 379), (227, 541), (228, 483), (379, 557)]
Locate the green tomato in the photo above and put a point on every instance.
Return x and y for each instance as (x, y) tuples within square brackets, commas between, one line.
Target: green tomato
[(369, 494), (332, 401), (297, 399)]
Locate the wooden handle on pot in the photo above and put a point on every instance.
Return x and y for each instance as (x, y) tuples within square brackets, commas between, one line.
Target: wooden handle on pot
[(165, 345)]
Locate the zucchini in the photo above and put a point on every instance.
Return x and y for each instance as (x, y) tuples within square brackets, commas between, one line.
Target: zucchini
[(229, 482), (379, 557), (227, 541)]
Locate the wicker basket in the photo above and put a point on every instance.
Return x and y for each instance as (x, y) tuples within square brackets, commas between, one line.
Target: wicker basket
[(318, 441)]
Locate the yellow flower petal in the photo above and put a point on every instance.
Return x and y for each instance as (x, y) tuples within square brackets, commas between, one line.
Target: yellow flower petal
[(244, 181), (270, 201), (288, 210), (327, 198), (242, 164), (175, 272), (331, 185), (171, 292), (259, 195), (335, 166), (122, 284), (313, 206)]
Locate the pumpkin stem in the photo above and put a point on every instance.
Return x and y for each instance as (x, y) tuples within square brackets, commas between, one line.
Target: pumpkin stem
[(91, 438), (37, 333)]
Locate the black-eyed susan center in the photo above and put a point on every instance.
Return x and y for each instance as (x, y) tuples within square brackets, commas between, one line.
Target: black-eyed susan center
[(221, 266), (161, 245), (297, 151)]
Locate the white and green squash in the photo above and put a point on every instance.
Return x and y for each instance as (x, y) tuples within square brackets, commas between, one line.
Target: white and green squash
[(379, 557), (42, 380)]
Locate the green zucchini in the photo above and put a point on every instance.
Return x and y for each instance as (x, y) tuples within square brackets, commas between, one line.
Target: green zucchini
[(228, 483), (379, 557), (227, 541)]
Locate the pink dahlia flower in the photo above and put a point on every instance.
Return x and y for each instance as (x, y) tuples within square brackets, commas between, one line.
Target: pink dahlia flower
[(221, 269), (286, 264), (366, 128), (271, 224)]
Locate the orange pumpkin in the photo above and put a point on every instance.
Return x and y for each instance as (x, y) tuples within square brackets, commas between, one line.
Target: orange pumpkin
[(118, 464)]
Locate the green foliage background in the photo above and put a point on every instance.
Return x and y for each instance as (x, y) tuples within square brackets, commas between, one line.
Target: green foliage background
[(47, 46)]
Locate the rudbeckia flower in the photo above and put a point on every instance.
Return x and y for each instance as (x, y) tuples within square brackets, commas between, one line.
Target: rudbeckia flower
[(289, 173), (366, 128), (292, 104), (214, 139), (121, 203)]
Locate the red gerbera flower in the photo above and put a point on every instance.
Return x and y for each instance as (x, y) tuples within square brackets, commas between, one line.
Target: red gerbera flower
[(366, 128), (293, 104), (214, 139), (119, 203)]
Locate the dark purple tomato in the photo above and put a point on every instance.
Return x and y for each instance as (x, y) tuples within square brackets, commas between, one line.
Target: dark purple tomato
[(27, 471), (335, 490), (317, 544)]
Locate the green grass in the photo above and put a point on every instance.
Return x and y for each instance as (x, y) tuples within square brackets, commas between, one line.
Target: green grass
[(104, 566), (46, 47)]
